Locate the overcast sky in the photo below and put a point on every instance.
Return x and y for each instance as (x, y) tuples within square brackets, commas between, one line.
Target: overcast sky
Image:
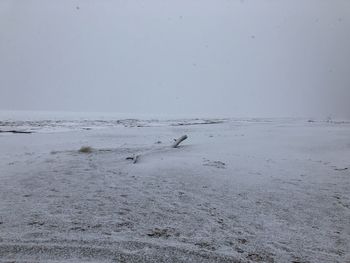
[(199, 57)]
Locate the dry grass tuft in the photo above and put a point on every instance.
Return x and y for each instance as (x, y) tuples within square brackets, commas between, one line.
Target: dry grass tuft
[(85, 149)]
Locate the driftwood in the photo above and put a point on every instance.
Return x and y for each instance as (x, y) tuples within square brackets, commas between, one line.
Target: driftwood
[(15, 131), (178, 141), (134, 158)]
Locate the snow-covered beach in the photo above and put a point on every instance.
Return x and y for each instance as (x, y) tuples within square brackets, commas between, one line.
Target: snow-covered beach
[(237, 190)]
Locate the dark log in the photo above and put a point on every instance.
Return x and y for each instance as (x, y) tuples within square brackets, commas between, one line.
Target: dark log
[(15, 131)]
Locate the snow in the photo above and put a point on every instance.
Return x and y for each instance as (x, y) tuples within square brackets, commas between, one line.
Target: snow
[(237, 190)]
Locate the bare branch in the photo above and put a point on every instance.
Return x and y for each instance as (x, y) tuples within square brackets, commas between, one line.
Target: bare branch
[(178, 141)]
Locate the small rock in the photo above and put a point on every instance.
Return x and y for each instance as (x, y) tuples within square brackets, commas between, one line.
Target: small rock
[(157, 232), (242, 240), (239, 250), (36, 223), (220, 220), (205, 245), (255, 257)]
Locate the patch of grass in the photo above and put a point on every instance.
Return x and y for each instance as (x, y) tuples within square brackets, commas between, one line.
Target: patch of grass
[(85, 149)]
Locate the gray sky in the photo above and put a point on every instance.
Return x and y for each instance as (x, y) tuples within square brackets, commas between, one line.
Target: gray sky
[(205, 57)]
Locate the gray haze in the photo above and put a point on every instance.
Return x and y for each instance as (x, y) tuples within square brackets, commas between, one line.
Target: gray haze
[(205, 57)]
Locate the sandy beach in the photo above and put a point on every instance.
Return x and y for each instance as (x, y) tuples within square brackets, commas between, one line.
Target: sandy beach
[(237, 190)]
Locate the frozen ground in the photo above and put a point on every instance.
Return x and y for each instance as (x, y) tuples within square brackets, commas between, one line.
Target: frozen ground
[(235, 191)]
